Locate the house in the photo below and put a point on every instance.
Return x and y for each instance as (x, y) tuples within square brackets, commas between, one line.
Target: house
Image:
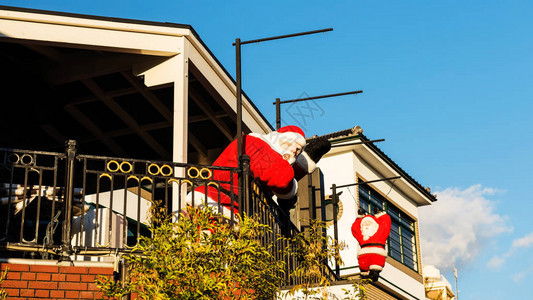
[(436, 285), (133, 95), (364, 177), (144, 106)]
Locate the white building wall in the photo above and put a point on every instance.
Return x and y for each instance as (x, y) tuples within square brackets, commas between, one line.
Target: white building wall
[(341, 169), (386, 187)]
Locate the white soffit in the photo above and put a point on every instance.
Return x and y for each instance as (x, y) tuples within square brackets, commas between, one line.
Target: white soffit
[(224, 85), (110, 35), (127, 37), (382, 167)]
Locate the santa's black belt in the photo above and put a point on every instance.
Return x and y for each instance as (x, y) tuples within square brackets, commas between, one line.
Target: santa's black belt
[(373, 245)]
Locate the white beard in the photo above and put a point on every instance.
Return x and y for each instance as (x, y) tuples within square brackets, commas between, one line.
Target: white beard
[(278, 142), (369, 227)]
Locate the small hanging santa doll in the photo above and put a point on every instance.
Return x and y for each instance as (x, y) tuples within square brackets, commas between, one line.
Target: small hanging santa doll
[(277, 159), (371, 232)]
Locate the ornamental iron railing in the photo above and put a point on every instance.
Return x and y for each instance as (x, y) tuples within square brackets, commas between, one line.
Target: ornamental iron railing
[(69, 206)]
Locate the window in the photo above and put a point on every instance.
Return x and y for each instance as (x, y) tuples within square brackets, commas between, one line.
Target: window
[(401, 244)]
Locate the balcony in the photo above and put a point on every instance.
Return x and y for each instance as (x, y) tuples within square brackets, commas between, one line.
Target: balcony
[(70, 206)]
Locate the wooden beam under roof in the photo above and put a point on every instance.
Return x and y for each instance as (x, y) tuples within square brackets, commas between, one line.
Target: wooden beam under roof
[(202, 81), (46, 51), (148, 95), (195, 142), (118, 93), (54, 133), (128, 131), (210, 113), (126, 118), (93, 65), (200, 118), (93, 128)]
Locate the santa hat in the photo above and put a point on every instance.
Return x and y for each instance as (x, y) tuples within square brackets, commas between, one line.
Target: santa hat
[(295, 132), (287, 134)]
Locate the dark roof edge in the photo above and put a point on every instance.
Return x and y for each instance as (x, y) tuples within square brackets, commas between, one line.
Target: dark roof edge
[(141, 22), (94, 17), (395, 166)]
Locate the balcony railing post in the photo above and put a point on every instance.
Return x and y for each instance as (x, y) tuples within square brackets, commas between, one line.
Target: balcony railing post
[(245, 185), (66, 248), (335, 203)]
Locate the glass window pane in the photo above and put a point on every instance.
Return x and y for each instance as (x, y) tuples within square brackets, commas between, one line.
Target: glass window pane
[(410, 263), (363, 193), (396, 255), (401, 244), (376, 202), (364, 205)]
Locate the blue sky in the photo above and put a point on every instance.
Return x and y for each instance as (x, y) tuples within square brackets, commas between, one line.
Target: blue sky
[(448, 84)]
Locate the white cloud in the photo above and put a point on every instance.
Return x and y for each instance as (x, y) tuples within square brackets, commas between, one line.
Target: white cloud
[(496, 262), (518, 277), (523, 242), (455, 228)]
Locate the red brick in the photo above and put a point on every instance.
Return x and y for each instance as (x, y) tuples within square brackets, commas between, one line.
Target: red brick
[(74, 277), (12, 292), (17, 298), (73, 270), (42, 293), (14, 284), (78, 286), (72, 294), (27, 293), (44, 269), (92, 287), (88, 278), (44, 285), (99, 295), (28, 276), (59, 277), (44, 276), (86, 295), (13, 275), (57, 294), (15, 267), (101, 271)]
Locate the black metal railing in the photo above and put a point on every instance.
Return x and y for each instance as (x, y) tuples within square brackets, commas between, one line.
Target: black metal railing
[(70, 206)]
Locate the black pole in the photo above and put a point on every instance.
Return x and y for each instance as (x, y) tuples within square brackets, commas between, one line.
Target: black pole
[(358, 183), (278, 103), (278, 114), (283, 36), (320, 97), (358, 143), (239, 120), (66, 248), (335, 201)]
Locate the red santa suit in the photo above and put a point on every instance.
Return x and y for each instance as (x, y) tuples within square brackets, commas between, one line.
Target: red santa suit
[(371, 232), (271, 158)]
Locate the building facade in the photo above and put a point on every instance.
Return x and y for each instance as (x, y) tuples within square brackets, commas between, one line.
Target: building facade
[(154, 92)]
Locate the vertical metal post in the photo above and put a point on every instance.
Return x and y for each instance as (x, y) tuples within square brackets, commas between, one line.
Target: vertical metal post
[(66, 248), (278, 114), (312, 196), (335, 201), (244, 204), (238, 94)]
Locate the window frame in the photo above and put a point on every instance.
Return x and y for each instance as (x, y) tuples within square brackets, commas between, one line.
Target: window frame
[(399, 220)]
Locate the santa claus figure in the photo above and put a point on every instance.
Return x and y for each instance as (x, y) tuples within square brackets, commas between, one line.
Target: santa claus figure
[(371, 232), (277, 159)]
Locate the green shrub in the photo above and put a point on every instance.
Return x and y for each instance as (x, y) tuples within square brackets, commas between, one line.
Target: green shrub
[(199, 258)]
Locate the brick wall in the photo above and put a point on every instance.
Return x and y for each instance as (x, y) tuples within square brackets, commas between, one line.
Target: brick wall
[(49, 280)]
